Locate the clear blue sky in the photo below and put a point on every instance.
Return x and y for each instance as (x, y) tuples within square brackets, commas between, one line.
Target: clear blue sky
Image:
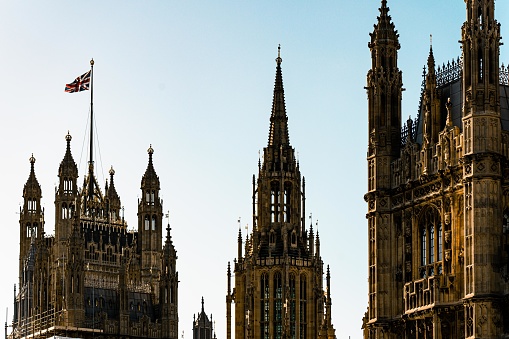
[(195, 79)]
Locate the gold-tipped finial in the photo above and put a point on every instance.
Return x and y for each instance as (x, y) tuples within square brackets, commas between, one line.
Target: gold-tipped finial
[(150, 150), (32, 159), (279, 60), (92, 62)]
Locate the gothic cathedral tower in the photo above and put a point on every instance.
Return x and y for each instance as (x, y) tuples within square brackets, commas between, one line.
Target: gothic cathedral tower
[(438, 201), (279, 290)]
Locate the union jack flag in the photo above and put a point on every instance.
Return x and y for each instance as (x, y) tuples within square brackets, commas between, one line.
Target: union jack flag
[(81, 83)]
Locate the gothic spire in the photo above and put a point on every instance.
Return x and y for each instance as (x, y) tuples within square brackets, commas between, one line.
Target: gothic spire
[(150, 178), (32, 187), (168, 248), (68, 167), (278, 134), (384, 29), (431, 61), (111, 190)]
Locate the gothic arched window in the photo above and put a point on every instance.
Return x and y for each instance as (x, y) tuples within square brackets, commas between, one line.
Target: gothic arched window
[(303, 307), (274, 201), (430, 228), (287, 202), (278, 306), (291, 306), (64, 211), (264, 306), (153, 223), (147, 223)]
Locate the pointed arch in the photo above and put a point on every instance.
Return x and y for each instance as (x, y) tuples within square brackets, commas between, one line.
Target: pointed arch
[(291, 304), (153, 223), (274, 201), (303, 297), (147, 223), (287, 202), (430, 241), (264, 305), (278, 305)]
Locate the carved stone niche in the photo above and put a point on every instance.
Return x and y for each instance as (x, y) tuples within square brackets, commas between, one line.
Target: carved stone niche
[(447, 255), (408, 266), (408, 230), (447, 218), (447, 236), (408, 249)]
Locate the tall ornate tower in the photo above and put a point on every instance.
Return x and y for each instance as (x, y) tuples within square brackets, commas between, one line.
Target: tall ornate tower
[(66, 199), (203, 327), (438, 207), (31, 226), (484, 184), (279, 289), (150, 217), (384, 87), (168, 294), (31, 216)]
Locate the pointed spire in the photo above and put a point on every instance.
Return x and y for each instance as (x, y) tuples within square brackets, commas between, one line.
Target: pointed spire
[(150, 177), (431, 60), (111, 190), (168, 248), (384, 29), (32, 187), (278, 134), (239, 244), (202, 305), (68, 166)]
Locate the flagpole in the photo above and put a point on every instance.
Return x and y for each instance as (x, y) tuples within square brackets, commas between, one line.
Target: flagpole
[(91, 163)]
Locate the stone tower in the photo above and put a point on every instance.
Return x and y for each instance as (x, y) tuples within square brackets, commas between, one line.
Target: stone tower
[(279, 290), (31, 220), (94, 277), (203, 327), (438, 202), (168, 294), (150, 216)]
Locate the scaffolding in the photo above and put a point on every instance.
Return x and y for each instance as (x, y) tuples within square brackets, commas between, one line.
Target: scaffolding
[(51, 324)]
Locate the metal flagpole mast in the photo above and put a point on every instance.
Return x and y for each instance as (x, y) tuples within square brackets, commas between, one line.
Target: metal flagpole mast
[(91, 163)]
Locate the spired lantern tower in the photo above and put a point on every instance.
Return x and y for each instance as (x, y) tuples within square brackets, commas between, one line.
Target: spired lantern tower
[(438, 190), (279, 290)]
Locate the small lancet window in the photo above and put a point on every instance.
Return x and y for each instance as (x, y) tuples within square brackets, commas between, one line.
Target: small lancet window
[(64, 211), (153, 223), (287, 202), (32, 205), (480, 65), (480, 18), (274, 201), (272, 238), (423, 247), (303, 307), (147, 223), (294, 238)]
